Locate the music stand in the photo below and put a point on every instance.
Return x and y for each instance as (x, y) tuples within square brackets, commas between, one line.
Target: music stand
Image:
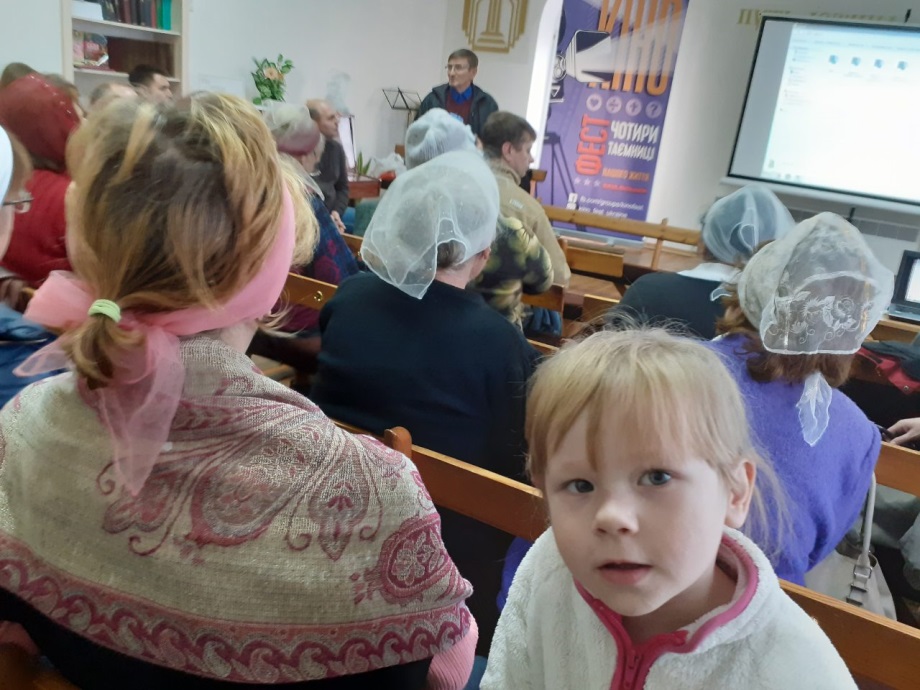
[(403, 100)]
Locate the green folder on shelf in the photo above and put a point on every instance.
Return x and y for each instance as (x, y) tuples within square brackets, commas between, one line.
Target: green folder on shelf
[(166, 15)]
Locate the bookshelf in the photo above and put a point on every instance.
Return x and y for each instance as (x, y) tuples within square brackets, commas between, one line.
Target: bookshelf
[(128, 45)]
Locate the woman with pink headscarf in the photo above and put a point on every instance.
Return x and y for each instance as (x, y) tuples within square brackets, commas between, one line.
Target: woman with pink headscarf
[(169, 516)]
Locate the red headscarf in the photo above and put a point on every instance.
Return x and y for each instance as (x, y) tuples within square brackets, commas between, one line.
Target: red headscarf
[(41, 116)]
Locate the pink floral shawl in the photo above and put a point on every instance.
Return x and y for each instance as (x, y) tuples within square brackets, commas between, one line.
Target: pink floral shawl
[(267, 545)]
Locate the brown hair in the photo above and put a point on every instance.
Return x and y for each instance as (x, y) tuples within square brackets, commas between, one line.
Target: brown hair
[(465, 54), (172, 207), (503, 127), (661, 394), (13, 71), (22, 164), (765, 366)]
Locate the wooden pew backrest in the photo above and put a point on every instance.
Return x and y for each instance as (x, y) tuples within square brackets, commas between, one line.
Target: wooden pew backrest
[(594, 263), (553, 299), (892, 329), (354, 243), (307, 292), (660, 232), (899, 468), (595, 306)]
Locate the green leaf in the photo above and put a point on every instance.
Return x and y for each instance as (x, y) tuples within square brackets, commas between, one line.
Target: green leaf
[(257, 100)]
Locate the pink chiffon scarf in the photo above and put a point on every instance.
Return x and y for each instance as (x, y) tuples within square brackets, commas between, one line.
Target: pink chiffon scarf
[(138, 407)]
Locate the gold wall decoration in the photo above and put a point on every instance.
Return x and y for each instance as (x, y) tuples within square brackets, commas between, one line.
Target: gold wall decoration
[(494, 25)]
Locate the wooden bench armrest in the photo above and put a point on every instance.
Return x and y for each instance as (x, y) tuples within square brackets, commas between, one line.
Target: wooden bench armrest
[(553, 299)]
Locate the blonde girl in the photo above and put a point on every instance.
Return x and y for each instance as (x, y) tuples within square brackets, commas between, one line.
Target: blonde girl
[(639, 442)]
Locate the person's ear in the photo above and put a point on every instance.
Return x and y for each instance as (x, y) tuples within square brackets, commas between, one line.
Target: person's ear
[(473, 71), (741, 490), (507, 149)]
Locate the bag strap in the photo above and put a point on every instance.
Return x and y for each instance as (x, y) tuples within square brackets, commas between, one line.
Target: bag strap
[(862, 571)]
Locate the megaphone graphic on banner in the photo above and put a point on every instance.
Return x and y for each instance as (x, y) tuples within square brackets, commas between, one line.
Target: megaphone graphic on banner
[(595, 56)]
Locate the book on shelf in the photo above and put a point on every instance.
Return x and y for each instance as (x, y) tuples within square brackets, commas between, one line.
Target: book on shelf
[(165, 14), (110, 10), (155, 14), (95, 51), (78, 59)]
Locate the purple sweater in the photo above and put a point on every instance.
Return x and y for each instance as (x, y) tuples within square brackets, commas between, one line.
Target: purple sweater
[(826, 484)]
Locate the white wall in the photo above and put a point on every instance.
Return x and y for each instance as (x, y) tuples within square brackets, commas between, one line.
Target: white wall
[(379, 44), (506, 76), (30, 32), (708, 93)]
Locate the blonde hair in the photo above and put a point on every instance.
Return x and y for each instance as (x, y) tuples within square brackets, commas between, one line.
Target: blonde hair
[(661, 393), (172, 207)]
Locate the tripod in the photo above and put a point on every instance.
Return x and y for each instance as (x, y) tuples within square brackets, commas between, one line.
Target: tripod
[(558, 163)]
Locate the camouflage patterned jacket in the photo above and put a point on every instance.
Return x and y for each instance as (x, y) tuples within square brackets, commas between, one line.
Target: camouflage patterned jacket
[(518, 264)]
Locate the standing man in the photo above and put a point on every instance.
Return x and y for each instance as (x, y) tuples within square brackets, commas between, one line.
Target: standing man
[(151, 84), (333, 166), (506, 142), (460, 96)]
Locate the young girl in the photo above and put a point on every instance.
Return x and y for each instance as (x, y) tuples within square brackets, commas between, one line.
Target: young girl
[(639, 442)]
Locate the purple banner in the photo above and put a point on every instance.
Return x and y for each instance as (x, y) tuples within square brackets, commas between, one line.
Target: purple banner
[(611, 83)]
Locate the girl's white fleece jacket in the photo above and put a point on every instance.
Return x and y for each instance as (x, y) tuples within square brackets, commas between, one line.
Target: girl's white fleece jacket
[(554, 635)]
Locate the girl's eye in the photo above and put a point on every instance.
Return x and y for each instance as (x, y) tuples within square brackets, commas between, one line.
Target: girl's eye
[(579, 486), (655, 478)]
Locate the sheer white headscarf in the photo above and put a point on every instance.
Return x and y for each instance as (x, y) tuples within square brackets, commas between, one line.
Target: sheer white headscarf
[(737, 224), (818, 290), (434, 133), (451, 198)]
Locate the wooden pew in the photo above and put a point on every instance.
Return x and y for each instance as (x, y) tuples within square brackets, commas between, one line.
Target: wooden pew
[(354, 243), (892, 329), (553, 299), (899, 468), (307, 292), (302, 291), (595, 306), (884, 652), (660, 232), (594, 263)]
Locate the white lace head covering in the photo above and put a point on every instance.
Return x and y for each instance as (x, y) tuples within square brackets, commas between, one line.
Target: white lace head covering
[(737, 224), (451, 198), (818, 290), (434, 133)]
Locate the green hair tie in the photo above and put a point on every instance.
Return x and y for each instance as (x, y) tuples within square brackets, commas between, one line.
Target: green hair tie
[(105, 307)]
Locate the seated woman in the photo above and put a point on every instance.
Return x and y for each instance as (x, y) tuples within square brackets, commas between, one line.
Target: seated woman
[(518, 263), (18, 338), (299, 140), (803, 306), (42, 117), (408, 345), (733, 228), (204, 500)]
